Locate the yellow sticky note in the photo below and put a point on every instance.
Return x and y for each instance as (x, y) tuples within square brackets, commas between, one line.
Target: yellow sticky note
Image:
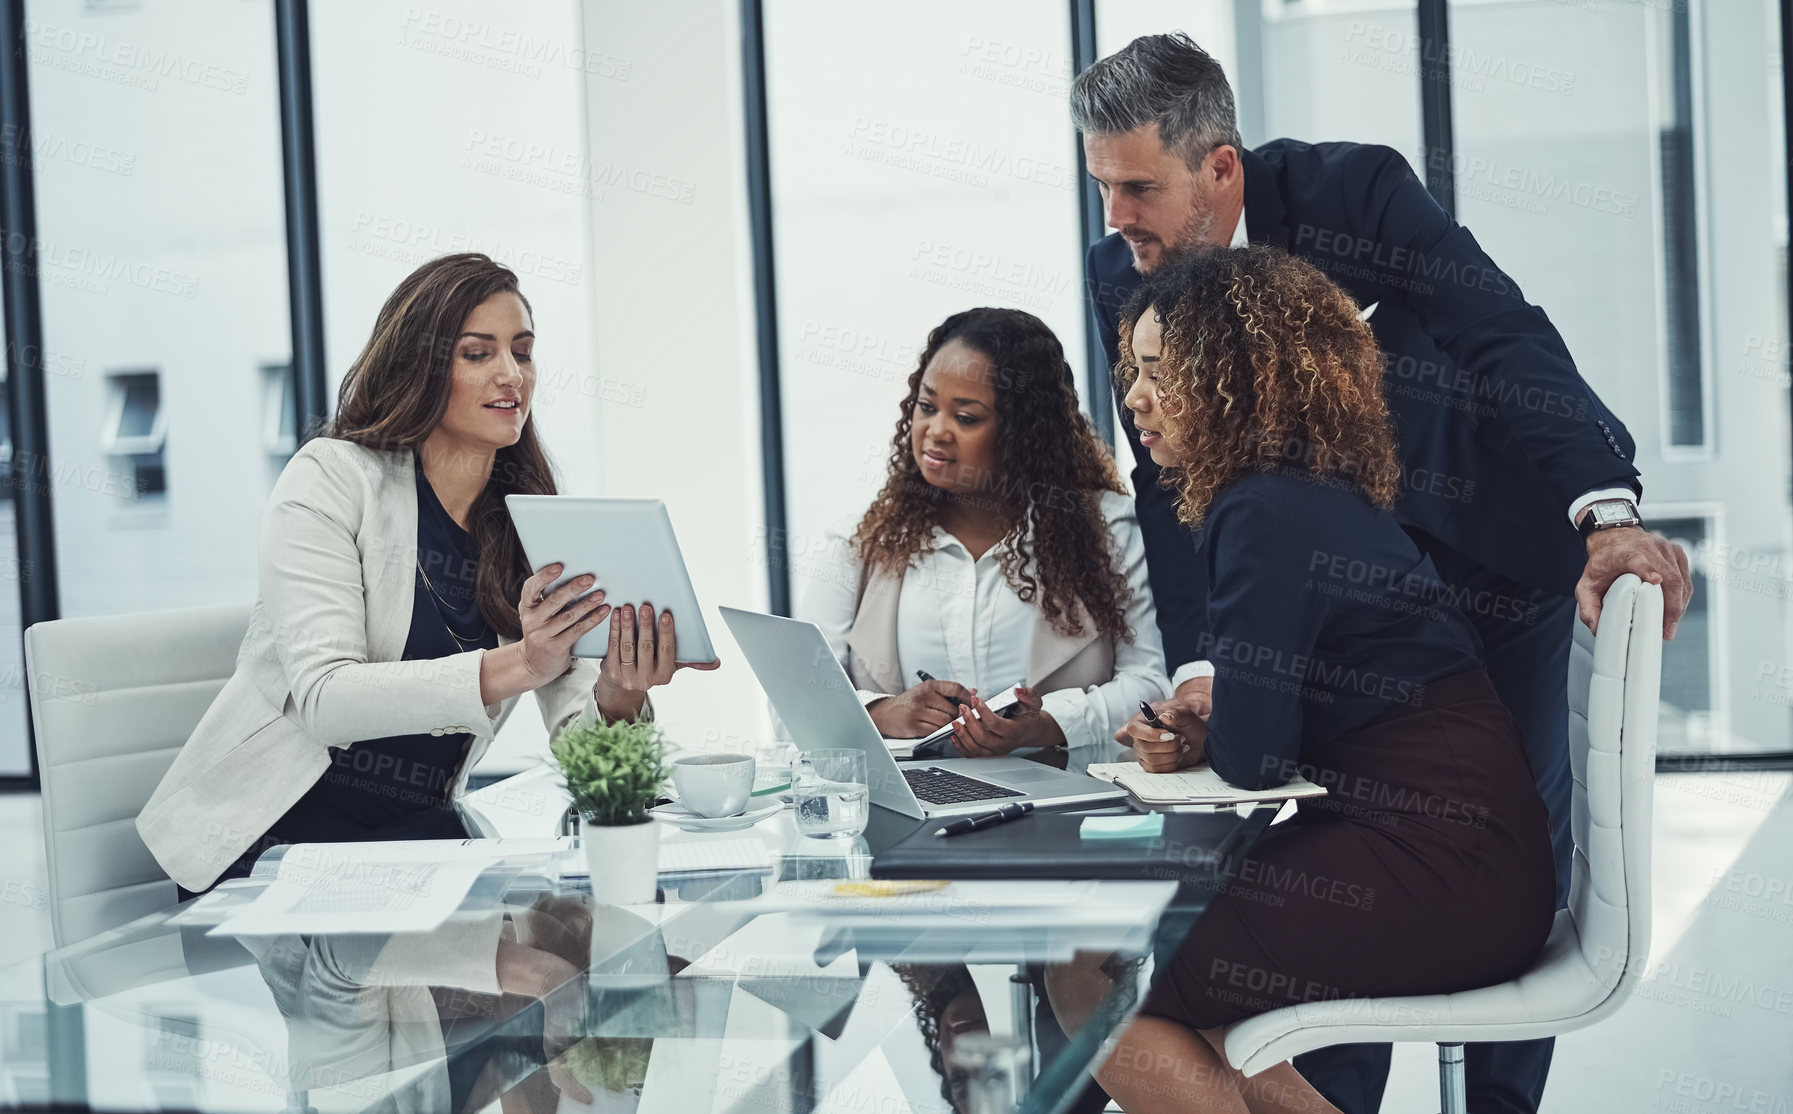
[(886, 889)]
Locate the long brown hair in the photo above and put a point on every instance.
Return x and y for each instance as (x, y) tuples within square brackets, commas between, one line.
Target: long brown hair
[(1050, 474), (396, 392), (1266, 365)]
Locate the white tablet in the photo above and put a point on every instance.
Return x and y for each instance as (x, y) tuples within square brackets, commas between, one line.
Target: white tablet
[(628, 545)]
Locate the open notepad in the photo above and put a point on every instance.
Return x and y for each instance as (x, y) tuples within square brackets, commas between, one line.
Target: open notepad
[(1198, 785)]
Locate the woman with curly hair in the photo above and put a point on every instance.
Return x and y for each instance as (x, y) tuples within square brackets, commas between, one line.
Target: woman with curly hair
[(1428, 867), (947, 1008), (1001, 552)]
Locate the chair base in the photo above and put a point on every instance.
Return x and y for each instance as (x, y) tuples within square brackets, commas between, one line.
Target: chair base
[(1452, 1092)]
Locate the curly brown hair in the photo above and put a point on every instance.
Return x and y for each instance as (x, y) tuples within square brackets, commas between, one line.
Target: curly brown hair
[(932, 987), (1265, 366), (1047, 487)]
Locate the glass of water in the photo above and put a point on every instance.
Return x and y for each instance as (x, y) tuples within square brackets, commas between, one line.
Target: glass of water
[(831, 795)]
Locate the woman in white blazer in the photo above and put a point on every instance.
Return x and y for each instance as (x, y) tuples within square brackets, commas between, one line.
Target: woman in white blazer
[(397, 620), (1001, 552)]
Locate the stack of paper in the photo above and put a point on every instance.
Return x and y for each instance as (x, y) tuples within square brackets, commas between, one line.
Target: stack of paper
[(401, 886), (697, 856)]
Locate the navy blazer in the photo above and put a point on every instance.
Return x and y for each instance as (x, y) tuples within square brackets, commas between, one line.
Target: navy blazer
[(1497, 431)]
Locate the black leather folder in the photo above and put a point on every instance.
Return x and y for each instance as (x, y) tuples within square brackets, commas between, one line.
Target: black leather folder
[(1193, 846)]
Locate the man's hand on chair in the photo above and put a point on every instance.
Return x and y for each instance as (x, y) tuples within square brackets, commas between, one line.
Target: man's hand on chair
[(1655, 560)]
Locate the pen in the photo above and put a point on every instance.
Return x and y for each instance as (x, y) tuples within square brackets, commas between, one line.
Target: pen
[(986, 820), (923, 674), (1151, 717)]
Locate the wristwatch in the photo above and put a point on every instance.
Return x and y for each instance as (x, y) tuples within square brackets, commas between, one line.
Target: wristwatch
[(1608, 514)]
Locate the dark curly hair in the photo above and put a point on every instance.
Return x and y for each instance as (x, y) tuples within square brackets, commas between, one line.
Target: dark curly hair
[(933, 986), (1265, 366), (1050, 474)]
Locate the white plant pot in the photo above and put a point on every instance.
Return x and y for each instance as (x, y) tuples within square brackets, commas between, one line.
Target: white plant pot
[(624, 862)]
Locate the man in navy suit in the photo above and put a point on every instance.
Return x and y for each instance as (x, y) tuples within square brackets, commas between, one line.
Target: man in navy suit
[(1517, 480)]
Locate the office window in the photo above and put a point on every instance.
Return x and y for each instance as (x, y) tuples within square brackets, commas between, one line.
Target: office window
[(1688, 712), (279, 420), (1631, 183), (161, 218), (23, 1040), (480, 145), (1311, 71), (136, 431), (173, 1060), (15, 746), (929, 170), (135, 424), (5, 440), (1683, 373)]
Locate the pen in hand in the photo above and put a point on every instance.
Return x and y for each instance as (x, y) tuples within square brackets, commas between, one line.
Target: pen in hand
[(1151, 717)]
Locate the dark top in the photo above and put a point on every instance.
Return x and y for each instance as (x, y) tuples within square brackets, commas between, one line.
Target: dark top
[(1322, 615), (388, 788), (1498, 432)]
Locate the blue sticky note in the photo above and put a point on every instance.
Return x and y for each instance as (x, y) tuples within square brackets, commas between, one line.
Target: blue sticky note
[(1146, 826)]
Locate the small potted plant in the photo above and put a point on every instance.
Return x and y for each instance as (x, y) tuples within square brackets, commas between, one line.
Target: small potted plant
[(613, 1069), (614, 772)]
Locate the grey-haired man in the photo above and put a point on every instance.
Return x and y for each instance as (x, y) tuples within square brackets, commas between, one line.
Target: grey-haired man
[(1518, 481)]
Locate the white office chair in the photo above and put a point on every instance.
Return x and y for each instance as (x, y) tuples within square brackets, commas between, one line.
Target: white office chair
[(112, 700), (1599, 944)]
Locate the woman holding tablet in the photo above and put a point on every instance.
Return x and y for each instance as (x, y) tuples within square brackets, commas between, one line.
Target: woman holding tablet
[(1428, 868), (397, 621), (1001, 552)]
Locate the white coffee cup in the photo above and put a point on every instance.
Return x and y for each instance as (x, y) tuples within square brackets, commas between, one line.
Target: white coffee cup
[(714, 784)]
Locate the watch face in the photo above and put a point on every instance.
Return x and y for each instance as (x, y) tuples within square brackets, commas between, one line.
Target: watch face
[(1606, 513)]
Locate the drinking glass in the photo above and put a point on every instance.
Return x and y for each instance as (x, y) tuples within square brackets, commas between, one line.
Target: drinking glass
[(986, 1072), (831, 793)]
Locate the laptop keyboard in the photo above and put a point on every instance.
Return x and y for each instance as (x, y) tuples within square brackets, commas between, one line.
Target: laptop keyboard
[(942, 787)]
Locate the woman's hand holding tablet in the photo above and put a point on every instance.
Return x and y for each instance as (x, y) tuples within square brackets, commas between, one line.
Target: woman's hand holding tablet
[(643, 648), (554, 620), (644, 651)]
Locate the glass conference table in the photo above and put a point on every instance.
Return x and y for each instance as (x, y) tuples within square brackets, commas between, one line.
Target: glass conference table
[(750, 991)]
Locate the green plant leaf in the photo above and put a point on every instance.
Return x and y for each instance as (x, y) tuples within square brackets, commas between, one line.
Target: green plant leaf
[(613, 771)]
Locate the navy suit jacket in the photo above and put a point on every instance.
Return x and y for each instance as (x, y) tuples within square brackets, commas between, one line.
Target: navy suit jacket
[(1497, 431)]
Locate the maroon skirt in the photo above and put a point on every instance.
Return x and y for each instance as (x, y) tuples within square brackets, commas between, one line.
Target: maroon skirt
[(1427, 869)]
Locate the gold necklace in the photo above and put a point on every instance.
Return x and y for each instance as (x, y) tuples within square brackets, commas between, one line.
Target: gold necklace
[(440, 603)]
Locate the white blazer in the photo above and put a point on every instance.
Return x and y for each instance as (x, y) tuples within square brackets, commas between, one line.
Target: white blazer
[(1089, 684), (320, 664)]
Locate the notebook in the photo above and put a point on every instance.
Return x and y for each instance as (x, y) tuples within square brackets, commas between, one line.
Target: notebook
[(1189, 847), (1198, 785)]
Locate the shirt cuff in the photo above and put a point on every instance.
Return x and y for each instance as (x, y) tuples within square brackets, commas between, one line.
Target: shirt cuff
[(1591, 497), (1190, 669), (1069, 708)]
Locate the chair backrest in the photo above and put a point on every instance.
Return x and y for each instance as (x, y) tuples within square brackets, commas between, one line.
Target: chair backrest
[(113, 698), (1615, 683)]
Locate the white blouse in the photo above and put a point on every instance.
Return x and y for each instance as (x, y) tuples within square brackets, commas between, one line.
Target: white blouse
[(960, 620)]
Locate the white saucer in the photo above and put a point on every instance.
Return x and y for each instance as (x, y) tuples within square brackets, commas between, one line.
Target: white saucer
[(686, 820)]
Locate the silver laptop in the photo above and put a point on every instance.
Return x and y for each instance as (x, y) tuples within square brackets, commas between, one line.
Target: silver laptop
[(815, 698)]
